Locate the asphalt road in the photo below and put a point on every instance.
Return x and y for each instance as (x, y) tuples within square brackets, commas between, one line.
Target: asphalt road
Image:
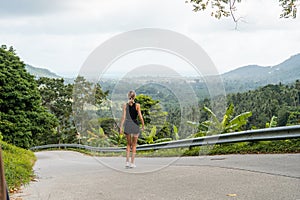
[(69, 175)]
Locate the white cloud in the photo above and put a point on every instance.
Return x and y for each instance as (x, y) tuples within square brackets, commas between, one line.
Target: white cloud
[(59, 35)]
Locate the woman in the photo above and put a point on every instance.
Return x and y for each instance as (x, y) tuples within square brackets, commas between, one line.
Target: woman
[(131, 111)]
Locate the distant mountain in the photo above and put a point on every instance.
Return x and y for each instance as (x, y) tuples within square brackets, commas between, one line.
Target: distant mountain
[(253, 76), (41, 72), (239, 80)]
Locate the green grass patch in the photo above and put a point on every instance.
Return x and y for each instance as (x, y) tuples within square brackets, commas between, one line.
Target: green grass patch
[(261, 147), (162, 153), (18, 165)]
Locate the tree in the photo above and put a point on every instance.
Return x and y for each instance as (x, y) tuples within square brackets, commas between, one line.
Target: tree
[(117, 139), (148, 137), (164, 132), (108, 125), (147, 103), (289, 8), (175, 133), (24, 121), (294, 118), (226, 8), (272, 123), (271, 100), (57, 98), (97, 137), (154, 117), (228, 124), (87, 98)]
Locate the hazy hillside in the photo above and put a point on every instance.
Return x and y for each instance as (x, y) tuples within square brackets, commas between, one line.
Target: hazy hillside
[(41, 72), (239, 80), (253, 76)]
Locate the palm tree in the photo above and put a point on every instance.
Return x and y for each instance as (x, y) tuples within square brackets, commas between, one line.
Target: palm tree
[(272, 123), (148, 136), (97, 137), (228, 123), (175, 130), (117, 139)]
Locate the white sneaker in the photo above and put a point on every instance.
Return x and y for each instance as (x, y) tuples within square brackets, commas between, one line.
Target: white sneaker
[(132, 165), (127, 165)]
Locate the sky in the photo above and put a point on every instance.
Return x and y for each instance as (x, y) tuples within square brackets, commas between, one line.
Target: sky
[(60, 35)]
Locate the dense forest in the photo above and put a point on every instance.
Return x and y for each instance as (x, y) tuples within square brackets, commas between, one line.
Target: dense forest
[(41, 110), (24, 122), (281, 101), (278, 101)]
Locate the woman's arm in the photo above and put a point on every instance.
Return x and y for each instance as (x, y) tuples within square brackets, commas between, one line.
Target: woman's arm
[(138, 108), (123, 118)]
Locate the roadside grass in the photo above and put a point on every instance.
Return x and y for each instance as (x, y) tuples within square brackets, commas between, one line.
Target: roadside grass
[(18, 165), (261, 147)]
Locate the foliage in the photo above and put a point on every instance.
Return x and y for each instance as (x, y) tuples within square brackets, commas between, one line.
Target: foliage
[(57, 98), (87, 98), (18, 165), (293, 118), (23, 120), (289, 8), (228, 123), (278, 100), (147, 104), (166, 99), (97, 138), (175, 130), (155, 119), (163, 140), (264, 101), (164, 132), (151, 136), (226, 8), (148, 136), (272, 123), (117, 139), (280, 146), (108, 124), (223, 8)]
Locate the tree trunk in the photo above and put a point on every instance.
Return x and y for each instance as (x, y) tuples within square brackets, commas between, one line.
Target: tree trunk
[(3, 190)]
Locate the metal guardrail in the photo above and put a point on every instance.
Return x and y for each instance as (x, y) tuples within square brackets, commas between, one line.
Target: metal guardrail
[(277, 133)]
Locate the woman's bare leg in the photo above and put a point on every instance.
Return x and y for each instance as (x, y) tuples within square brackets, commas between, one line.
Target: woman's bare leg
[(128, 137), (134, 142)]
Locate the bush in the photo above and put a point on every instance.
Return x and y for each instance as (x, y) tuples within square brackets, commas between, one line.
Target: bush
[(280, 146), (18, 165)]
